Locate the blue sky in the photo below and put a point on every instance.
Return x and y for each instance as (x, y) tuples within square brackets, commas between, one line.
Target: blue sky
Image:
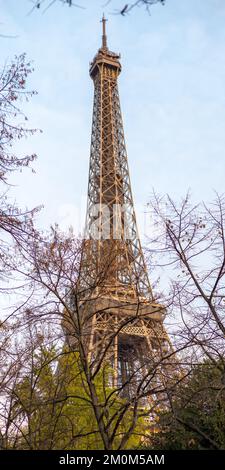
[(172, 90)]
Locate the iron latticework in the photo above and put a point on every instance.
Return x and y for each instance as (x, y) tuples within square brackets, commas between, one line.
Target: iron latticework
[(111, 222), (112, 266)]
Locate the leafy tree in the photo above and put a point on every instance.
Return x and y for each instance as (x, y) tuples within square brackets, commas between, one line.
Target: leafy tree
[(196, 419), (52, 407)]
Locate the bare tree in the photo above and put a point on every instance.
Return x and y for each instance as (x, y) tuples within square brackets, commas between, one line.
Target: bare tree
[(189, 245), (124, 410), (190, 242), (125, 9), (14, 222)]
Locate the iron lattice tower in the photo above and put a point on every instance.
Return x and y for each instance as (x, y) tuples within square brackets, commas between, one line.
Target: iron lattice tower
[(112, 265), (118, 258)]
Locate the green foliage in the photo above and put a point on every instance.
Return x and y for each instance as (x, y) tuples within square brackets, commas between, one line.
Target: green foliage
[(55, 408), (197, 419)]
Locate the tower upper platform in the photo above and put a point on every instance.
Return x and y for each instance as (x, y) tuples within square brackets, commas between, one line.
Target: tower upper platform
[(104, 56)]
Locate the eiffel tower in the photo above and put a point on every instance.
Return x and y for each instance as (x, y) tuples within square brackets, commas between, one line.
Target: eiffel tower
[(119, 313)]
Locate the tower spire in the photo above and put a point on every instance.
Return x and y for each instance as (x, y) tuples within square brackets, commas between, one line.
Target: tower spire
[(104, 37)]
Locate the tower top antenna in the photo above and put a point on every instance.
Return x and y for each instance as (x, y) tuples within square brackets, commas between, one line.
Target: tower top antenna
[(104, 37)]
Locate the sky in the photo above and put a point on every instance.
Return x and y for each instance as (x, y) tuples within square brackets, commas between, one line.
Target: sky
[(172, 91)]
